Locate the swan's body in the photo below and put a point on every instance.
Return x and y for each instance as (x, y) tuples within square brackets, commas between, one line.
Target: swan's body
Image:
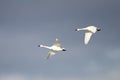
[(54, 48), (89, 31)]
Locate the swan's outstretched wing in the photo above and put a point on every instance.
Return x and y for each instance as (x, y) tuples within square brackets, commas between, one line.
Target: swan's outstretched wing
[(57, 43), (88, 35), (50, 54)]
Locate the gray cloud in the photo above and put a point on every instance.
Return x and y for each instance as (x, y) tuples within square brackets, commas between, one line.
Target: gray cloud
[(25, 24)]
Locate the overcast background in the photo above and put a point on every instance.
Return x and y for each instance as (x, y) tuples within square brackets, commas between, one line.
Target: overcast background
[(26, 23)]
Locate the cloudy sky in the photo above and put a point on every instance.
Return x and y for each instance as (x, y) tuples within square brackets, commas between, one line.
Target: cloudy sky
[(26, 23)]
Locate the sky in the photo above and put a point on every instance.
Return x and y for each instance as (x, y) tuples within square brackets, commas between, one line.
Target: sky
[(24, 24)]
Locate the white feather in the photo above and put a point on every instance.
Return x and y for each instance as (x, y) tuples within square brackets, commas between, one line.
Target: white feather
[(87, 37), (54, 48)]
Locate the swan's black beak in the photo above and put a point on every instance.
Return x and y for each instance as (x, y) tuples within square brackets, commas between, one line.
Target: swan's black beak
[(38, 45), (98, 29), (64, 50), (76, 30)]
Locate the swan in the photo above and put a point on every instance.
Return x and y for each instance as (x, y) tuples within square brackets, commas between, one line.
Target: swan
[(54, 48), (90, 30)]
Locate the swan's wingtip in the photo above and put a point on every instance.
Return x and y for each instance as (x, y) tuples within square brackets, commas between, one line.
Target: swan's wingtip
[(85, 43), (56, 39)]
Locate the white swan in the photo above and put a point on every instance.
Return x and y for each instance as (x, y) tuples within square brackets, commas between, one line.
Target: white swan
[(54, 48), (89, 31)]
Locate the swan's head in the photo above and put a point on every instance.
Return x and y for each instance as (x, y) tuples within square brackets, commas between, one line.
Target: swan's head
[(98, 29), (76, 29), (63, 49)]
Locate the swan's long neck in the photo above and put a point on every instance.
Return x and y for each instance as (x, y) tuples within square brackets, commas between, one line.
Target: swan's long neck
[(45, 46), (81, 29)]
